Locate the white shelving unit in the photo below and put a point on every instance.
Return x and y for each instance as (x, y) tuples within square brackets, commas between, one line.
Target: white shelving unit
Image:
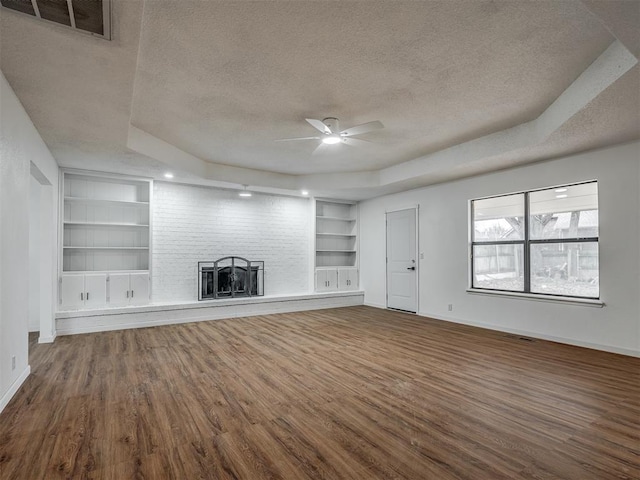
[(336, 245), (105, 229)]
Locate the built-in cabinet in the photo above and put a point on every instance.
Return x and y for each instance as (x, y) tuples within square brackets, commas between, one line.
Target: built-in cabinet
[(336, 245), (128, 288), (84, 290), (347, 278), (105, 236), (326, 279), (331, 279)]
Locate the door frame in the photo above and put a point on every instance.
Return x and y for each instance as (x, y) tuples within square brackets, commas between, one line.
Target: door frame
[(47, 219), (416, 209)]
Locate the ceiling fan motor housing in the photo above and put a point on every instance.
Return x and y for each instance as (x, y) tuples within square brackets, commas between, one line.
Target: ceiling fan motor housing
[(332, 123)]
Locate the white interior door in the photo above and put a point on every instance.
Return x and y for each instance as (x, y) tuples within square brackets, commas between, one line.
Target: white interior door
[(401, 260)]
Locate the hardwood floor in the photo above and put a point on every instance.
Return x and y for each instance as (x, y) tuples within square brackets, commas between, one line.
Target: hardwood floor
[(350, 393)]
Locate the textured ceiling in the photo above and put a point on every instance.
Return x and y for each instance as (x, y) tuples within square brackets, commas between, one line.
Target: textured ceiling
[(76, 88), (212, 84)]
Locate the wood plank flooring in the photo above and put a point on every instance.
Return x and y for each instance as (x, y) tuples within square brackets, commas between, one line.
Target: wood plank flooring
[(348, 393)]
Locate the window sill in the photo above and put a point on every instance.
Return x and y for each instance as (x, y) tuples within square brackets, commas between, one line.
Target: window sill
[(539, 297)]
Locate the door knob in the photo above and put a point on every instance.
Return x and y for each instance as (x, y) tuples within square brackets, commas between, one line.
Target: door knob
[(411, 268)]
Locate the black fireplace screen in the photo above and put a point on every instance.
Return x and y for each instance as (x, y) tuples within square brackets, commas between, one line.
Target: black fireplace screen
[(230, 277)]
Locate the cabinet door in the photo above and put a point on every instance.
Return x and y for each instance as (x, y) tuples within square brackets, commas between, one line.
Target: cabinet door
[(139, 288), (326, 279), (72, 291), (332, 279), (119, 291), (95, 288), (347, 279), (329, 279), (353, 278), (343, 279), (321, 281)]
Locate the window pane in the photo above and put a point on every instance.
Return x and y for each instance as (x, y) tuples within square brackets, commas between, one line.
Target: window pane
[(499, 267), (55, 10), (499, 218), (88, 15), (24, 6), (566, 212), (569, 269)]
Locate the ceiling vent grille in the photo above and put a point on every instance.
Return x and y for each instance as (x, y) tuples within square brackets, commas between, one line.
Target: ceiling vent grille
[(87, 16)]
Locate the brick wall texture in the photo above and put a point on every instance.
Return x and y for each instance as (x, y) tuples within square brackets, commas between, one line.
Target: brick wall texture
[(192, 224)]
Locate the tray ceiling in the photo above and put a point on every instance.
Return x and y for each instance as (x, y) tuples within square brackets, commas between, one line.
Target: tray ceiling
[(220, 81)]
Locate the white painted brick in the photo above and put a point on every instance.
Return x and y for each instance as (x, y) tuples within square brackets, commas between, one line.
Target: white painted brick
[(194, 224)]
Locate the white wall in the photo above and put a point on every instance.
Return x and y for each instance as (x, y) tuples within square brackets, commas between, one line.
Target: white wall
[(20, 144), (443, 237), (192, 224), (34, 254)]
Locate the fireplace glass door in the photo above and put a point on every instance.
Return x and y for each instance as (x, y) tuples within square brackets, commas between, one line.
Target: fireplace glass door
[(230, 277)]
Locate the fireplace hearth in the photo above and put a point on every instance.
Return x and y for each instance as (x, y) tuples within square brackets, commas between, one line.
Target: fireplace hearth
[(230, 277)]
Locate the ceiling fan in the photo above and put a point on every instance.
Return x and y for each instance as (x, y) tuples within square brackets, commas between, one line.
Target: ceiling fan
[(331, 133)]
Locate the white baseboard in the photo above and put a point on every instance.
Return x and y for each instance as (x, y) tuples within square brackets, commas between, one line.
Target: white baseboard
[(71, 323), (13, 389), (541, 336), (375, 305)]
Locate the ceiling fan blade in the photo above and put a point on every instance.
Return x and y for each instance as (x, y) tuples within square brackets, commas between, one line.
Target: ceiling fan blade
[(363, 128), (319, 125), (297, 138), (320, 149), (355, 142)]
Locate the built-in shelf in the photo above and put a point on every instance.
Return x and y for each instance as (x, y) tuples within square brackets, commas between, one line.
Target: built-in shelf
[(331, 267), (99, 201), (335, 235), (105, 224), (326, 217), (91, 224), (124, 270), (336, 241), (334, 251), (106, 248)]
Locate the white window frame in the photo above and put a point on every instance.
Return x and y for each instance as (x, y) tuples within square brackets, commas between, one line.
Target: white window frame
[(526, 242)]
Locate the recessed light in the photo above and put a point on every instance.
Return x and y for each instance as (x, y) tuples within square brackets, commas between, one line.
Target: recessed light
[(562, 196), (304, 192), (168, 175), (560, 190)]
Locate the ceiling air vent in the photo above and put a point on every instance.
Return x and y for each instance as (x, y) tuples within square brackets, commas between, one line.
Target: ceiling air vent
[(88, 16)]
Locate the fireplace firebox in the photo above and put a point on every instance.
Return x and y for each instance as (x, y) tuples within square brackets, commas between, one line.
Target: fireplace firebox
[(230, 277)]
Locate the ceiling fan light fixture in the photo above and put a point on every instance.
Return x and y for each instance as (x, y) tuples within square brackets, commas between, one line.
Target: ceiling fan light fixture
[(331, 139), (331, 134)]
